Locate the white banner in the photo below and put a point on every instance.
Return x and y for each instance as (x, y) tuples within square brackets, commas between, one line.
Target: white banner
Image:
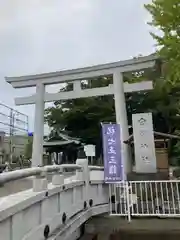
[(145, 156)]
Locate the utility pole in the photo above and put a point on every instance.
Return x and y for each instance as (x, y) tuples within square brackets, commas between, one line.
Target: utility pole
[(11, 134)]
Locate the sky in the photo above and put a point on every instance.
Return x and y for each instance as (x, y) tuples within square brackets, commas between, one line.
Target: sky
[(49, 35)]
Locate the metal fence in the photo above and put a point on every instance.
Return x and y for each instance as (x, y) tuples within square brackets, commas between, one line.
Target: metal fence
[(145, 198)]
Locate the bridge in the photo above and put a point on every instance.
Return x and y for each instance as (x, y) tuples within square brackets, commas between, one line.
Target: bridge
[(67, 208), (61, 209), (54, 210)]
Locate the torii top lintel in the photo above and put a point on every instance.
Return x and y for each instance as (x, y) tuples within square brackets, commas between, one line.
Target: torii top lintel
[(83, 73)]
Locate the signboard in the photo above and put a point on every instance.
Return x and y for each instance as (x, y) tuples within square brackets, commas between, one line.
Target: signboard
[(90, 150), (145, 156), (113, 166)]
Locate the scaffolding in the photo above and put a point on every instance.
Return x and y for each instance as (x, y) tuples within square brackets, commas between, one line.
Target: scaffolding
[(13, 132)]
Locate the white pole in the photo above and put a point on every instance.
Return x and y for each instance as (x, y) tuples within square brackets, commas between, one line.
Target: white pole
[(121, 117), (128, 201), (37, 152)]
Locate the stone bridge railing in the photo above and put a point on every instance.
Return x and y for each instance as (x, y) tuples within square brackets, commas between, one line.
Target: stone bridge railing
[(54, 210)]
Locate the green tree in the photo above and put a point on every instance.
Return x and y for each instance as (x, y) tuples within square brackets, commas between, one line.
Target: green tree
[(166, 19), (82, 117)]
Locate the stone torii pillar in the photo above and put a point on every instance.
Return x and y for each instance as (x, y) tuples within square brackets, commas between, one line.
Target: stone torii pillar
[(37, 150), (121, 117)]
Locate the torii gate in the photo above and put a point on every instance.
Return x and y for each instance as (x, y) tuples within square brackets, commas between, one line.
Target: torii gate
[(75, 76)]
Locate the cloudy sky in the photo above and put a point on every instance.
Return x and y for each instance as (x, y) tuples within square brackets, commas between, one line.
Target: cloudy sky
[(47, 35)]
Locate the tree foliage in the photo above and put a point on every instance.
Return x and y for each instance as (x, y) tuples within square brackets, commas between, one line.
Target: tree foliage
[(82, 117), (166, 19)]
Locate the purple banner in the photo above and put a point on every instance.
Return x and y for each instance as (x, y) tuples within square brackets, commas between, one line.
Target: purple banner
[(113, 167)]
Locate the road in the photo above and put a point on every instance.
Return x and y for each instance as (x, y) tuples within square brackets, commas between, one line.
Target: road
[(21, 185)]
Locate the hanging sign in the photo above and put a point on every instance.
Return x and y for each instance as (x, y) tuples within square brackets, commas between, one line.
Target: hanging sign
[(113, 166)]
